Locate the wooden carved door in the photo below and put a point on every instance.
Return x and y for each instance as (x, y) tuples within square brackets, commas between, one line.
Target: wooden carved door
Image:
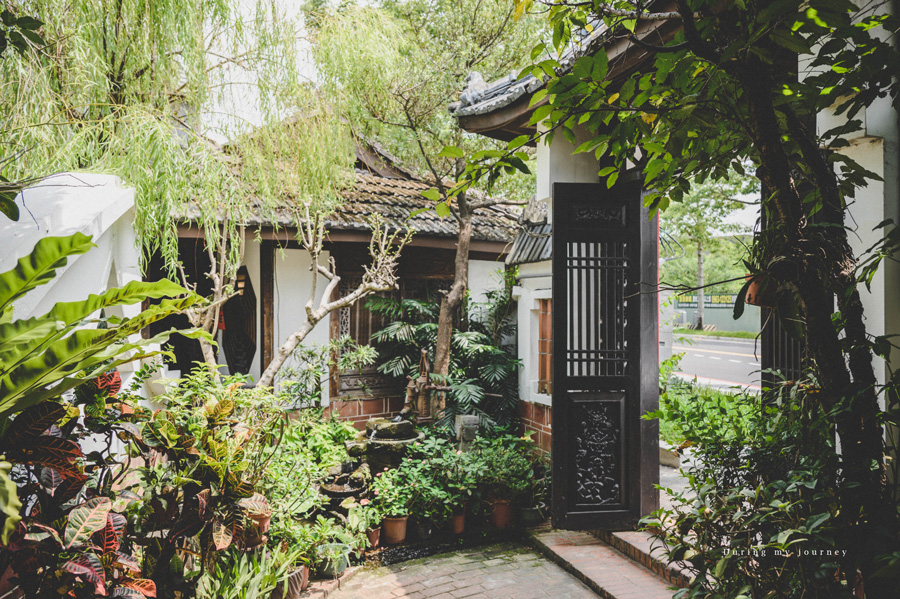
[(605, 359)]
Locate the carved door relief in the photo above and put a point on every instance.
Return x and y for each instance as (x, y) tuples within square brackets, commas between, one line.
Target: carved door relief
[(605, 361)]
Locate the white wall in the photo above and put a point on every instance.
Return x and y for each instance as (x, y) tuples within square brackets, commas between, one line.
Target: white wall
[(484, 276), (96, 205), (556, 163), (534, 284)]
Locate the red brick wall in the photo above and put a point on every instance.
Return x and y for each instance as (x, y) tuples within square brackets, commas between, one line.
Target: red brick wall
[(536, 417), (358, 411)]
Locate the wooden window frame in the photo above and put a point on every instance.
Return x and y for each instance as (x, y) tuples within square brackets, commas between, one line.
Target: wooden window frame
[(545, 346)]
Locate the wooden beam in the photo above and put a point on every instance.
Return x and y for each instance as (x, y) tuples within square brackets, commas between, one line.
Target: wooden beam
[(267, 302)]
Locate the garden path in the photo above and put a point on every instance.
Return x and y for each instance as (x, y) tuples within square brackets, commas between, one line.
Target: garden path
[(504, 571)]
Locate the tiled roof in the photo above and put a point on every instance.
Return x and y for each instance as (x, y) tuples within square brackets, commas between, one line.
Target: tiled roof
[(394, 199), (533, 244), (481, 97)]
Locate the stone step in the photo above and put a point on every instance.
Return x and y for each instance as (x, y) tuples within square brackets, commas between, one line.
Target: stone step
[(647, 550), (606, 570)]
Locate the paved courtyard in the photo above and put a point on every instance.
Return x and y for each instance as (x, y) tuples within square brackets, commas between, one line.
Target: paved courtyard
[(504, 571)]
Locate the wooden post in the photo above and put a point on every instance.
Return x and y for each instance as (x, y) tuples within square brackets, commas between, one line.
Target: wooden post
[(267, 302)]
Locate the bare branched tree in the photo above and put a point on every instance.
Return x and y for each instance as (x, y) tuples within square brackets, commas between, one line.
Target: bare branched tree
[(380, 275)]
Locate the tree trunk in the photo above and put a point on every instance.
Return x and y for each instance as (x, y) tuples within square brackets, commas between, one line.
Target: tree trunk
[(452, 301), (268, 377), (700, 291), (849, 386)]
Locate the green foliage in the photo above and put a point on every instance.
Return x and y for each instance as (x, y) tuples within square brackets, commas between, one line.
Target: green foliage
[(18, 32), (761, 516), (722, 261), (141, 90), (483, 370), (246, 575), (44, 356), (393, 492), (364, 515), (10, 505), (308, 368), (693, 413), (380, 61), (203, 457), (505, 467)]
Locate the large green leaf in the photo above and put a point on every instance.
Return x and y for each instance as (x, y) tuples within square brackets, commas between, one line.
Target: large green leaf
[(22, 336), (84, 350), (9, 502), (40, 266), (85, 520)]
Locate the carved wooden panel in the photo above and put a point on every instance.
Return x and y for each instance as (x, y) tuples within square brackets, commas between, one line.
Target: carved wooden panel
[(598, 452)]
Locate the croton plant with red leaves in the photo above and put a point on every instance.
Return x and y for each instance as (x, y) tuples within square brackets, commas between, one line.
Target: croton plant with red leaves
[(72, 538)]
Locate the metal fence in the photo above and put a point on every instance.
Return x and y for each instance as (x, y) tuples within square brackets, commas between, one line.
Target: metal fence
[(718, 311)]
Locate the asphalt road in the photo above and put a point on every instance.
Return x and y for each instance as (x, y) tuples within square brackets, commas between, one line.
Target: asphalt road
[(719, 361)]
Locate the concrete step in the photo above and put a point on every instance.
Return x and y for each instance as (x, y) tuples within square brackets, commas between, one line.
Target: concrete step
[(647, 550), (609, 572)]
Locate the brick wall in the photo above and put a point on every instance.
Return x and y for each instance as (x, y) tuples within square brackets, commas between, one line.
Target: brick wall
[(358, 410), (536, 417)]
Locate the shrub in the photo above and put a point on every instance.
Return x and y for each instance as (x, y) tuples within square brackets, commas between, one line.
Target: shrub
[(695, 414), (760, 515), (203, 456), (393, 492)]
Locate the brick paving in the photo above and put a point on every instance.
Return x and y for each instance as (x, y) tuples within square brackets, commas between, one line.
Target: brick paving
[(504, 571)]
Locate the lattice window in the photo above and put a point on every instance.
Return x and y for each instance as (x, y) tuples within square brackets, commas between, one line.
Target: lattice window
[(596, 280), (545, 347)]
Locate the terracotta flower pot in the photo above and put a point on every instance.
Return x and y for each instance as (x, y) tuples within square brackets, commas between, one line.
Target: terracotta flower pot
[(394, 530), (501, 513), (256, 532), (374, 535), (458, 523), (760, 292)]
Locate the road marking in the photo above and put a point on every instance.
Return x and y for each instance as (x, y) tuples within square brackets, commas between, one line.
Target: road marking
[(699, 356), (712, 351), (714, 358), (708, 381), (735, 361)]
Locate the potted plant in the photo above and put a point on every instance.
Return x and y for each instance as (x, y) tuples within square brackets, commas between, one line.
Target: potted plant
[(332, 545), (289, 533), (504, 477), (534, 508), (429, 500), (760, 291), (366, 517), (393, 495), (333, 559), (463, 472)]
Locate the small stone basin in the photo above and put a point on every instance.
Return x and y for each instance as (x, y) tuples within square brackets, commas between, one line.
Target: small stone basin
[(388, 453), (380, 429)]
